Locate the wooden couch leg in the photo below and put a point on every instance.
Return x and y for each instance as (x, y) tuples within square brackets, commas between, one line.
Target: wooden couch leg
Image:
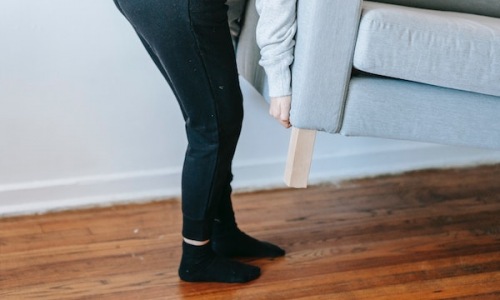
[(299, 159)]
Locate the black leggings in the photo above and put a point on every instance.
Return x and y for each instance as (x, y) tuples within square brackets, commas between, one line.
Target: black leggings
[(190, 43)]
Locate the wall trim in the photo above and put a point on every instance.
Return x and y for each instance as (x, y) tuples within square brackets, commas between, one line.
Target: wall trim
[(151, 185), (89, 191)]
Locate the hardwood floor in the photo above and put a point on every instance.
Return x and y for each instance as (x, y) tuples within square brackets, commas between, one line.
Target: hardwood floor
[(422, 235)]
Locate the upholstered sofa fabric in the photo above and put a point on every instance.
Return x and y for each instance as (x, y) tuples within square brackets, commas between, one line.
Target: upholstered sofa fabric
[(448, 49), (480, 7), (399, 109), (327, 63), (326, 97)]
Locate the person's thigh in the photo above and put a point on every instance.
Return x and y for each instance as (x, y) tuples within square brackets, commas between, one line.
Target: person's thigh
[(192, 42)]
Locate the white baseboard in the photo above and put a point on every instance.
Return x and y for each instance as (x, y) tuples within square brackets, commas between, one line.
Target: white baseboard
[(50, 195), (365, 163), (395, 161), (100, 190)]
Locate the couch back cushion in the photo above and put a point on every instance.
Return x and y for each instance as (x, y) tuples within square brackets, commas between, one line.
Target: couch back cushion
[(447, 49), (489, 8)]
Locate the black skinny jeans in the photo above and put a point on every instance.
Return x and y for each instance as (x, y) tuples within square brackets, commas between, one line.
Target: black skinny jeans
[(190, 43)]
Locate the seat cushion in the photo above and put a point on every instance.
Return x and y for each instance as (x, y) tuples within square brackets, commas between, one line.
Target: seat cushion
[(399, 109), (481, 7), (447, 49)]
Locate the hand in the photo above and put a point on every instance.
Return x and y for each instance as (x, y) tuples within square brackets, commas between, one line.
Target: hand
[(280, 110)]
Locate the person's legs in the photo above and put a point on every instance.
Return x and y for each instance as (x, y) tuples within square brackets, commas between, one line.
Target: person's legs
[(189, 41)]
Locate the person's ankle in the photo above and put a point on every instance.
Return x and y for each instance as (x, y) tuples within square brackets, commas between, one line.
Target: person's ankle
[(196, 243), (201, 264), (222, 228), (236, 243)]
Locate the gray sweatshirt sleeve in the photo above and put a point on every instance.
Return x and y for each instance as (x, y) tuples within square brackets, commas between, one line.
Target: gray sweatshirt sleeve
[(276, 38)]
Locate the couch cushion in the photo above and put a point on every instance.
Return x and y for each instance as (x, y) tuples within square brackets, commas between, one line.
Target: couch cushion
[(481, 7), (447, 49), (398, 109)]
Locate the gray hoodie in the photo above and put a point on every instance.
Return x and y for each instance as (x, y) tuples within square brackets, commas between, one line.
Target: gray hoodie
[(276, 38), (276, 30)]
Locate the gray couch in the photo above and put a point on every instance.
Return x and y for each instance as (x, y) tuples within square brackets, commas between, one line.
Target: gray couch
[(422, 70)]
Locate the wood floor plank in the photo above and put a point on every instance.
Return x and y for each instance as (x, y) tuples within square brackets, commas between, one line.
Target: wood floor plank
[(431, 234)]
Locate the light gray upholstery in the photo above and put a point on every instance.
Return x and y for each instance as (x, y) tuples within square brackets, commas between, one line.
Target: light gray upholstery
[(248, 53), (448, 49), (327, 97), (337, 20), (480, 7), (398, 109)]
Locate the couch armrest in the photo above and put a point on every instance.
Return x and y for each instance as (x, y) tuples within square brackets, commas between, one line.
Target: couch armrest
[(326, 37)]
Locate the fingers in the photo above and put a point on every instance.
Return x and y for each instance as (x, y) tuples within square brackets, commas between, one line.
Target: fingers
[(282, 118), (285, 123), (280, 110)]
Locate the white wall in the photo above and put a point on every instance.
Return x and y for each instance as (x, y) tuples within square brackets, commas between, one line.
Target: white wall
[(85, 119)]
